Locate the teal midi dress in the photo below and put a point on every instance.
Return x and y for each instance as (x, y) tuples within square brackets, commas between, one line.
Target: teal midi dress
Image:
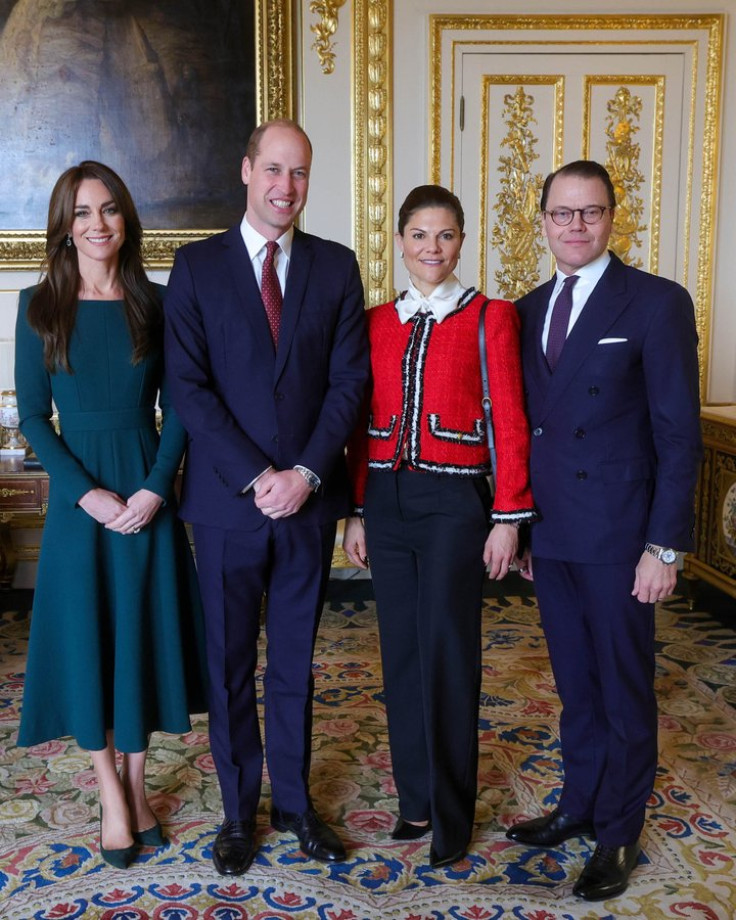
[(117, 637)]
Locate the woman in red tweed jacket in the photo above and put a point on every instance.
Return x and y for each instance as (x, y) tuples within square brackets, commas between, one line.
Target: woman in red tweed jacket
[(425, 515)]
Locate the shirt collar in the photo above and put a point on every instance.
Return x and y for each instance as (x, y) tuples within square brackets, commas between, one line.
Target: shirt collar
[(440, 303), (589, 274), (255, 242)]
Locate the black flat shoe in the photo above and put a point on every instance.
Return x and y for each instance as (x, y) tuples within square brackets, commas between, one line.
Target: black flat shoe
[(550, 830), (437, 862), (150, 837), (316, 839), (120, 858), (606, 874), (404, 830), (234, 847)]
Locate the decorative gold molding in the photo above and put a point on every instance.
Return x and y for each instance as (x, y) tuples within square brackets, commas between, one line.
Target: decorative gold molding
[(516, 231), (324, 30), (6, 492), (711, 143), (373, 139), (618, 146), (24, 249), (274, 59), (623, 155)]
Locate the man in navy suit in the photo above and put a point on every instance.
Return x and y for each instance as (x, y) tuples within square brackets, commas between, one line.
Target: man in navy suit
[(615, 452), (268, 402)]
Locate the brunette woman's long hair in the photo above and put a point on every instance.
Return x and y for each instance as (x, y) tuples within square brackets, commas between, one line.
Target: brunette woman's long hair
[(52, 311)]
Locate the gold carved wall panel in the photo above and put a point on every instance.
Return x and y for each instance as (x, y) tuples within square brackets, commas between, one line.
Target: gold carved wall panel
[(632, 117), (512, 204)]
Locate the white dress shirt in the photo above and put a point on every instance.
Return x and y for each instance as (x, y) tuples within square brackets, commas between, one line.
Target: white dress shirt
[(256, 246), (588, 276)]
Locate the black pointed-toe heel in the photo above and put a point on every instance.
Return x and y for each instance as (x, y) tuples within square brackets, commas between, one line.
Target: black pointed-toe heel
[(151, 837), (120, 858)]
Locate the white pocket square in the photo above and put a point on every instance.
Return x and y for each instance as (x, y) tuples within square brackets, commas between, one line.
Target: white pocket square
[(611, 341)]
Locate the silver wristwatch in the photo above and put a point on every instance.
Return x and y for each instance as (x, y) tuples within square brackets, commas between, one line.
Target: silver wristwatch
[(313, 480), (663, 553)]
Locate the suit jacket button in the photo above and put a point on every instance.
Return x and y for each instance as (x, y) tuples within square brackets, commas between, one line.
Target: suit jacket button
[(537, 432), (579, 432), (594, 391), (581, 474)]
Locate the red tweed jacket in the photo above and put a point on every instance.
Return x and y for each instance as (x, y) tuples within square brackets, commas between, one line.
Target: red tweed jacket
[(424, 401)]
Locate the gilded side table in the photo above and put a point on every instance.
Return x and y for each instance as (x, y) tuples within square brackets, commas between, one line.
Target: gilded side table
[(22, 493), (714, 559)]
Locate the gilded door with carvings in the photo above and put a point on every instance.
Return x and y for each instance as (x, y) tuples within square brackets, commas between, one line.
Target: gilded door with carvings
[(515, 97)]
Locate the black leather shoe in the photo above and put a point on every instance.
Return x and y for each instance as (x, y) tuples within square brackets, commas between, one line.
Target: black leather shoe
[(607, 872), (315, 837), (436, 861), (234, 847), (404, 830), (549, 830)]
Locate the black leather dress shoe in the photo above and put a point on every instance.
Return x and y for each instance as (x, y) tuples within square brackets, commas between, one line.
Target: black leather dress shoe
[(234, 847), (436, 861), (315, 837), (549, 830), (607, 872), (405, 830)]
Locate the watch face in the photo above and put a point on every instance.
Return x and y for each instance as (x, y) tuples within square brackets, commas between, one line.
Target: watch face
[(669, 556)]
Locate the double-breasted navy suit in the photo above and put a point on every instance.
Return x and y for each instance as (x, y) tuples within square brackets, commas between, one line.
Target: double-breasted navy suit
[(614, 458), (247, 406)]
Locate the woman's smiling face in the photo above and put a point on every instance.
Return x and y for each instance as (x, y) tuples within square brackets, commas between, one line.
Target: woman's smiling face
[(430, 245)]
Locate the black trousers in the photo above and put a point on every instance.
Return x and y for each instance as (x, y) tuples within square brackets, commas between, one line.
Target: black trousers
[(425, 535)]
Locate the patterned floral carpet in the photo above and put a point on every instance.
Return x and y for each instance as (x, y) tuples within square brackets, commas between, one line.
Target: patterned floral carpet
[(50, 868)]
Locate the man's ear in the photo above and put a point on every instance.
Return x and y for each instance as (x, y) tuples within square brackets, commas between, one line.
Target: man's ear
[(245, 170)]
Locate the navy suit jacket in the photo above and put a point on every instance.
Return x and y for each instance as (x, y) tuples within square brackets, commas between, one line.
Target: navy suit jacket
[(246, 405), (616, 429)]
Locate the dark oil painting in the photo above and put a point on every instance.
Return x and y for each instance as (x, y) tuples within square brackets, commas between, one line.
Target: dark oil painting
[(163, 92)]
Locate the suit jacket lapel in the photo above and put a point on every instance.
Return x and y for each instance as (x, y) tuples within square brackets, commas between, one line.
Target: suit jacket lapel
[(249, 306), (608, 300), (300, 266), (542, 296)]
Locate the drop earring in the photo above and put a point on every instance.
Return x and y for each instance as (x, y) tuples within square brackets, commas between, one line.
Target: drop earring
[(68, 240)]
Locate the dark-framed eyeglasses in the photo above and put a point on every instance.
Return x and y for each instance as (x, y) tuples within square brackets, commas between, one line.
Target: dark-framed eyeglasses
[(593, 214)]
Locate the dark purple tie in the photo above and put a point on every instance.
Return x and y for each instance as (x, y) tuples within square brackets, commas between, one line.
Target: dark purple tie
[(559, 322), (271, 290)]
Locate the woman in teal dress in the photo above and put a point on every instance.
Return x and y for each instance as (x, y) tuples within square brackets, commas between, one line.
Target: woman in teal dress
[(116, 646)]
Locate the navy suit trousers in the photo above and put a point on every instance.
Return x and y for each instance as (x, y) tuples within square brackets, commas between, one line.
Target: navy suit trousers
[(601, 645), (289, 563)]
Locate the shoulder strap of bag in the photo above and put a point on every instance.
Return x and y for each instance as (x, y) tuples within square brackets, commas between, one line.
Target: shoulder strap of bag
[(487, 403)]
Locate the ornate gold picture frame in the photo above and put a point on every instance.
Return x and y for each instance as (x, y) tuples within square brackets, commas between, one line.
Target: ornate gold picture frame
[(262, 70)]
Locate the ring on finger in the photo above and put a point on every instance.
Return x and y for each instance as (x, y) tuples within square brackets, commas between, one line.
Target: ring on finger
[(136, 530)]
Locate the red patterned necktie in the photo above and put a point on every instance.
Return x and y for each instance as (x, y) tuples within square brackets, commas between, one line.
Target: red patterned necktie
[(559, 322), (271, 290)]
